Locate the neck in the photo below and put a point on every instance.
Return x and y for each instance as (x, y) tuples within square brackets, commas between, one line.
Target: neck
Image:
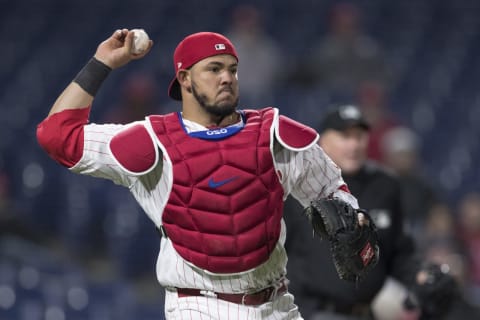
[(211, 121), (225, 121)]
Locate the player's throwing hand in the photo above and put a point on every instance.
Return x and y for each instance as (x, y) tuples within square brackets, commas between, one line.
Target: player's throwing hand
[(117, 51)]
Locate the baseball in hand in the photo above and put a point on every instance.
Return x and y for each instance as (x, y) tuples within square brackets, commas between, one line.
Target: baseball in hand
[(140, 41)]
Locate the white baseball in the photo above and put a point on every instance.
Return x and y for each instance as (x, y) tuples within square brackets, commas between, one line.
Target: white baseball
[(140, 41)]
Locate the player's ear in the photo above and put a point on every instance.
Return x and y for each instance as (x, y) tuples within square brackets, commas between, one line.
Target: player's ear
[(183, 77)]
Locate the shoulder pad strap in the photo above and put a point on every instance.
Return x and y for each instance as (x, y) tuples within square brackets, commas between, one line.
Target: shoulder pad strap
[(294, 135), (134, 150)]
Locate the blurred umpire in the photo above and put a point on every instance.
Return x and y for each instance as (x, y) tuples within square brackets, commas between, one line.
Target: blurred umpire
[(344, 135)]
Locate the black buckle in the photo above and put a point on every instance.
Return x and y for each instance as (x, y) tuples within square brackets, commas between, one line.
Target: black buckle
[(161, 231)]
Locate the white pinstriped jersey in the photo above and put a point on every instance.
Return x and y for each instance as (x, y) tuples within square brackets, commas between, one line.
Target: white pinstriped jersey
[(305, 175)]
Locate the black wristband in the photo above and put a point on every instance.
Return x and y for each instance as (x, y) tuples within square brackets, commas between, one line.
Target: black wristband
[(92, 75)]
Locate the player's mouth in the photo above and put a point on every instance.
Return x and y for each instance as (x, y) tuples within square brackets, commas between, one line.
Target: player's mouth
[(225, 91)]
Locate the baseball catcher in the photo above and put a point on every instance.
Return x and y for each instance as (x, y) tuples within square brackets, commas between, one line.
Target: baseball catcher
[(212, 179), (352, 236)]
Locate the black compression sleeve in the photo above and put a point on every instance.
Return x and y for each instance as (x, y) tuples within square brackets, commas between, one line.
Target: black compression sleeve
[(92, 75)]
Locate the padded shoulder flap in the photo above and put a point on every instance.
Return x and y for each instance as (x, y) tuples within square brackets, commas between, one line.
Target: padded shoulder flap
[(134, 150), (294, 135)]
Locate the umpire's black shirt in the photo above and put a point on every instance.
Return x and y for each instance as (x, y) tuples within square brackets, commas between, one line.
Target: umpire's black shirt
[(314, 279)]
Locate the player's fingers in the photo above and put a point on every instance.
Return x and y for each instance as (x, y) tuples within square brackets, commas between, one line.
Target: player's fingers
[(129, 36), (118, 34)]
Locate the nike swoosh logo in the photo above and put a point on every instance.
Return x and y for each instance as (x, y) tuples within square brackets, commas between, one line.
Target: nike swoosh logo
[(216, 184)]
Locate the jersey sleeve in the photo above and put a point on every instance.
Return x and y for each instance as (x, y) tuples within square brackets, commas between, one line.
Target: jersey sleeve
[(61, 135), (82, 147), (98, 159), (310, 174)]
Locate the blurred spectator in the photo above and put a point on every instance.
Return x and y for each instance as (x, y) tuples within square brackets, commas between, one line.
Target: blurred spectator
[(372, 99), (260, 54), (440, 244), (346, 56), (469, 230), (400, 148), (138, 98), (440, 230), (11, 225)]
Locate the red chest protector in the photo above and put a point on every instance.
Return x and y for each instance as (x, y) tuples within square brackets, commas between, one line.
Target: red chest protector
[(225, 207)]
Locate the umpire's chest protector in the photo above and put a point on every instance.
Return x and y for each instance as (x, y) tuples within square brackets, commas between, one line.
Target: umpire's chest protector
[(225, 207)]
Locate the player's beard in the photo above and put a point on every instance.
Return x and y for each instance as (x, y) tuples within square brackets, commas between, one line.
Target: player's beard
[(218, 110)]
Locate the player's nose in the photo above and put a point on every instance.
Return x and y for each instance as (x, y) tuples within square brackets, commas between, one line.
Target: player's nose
[(227, 77)]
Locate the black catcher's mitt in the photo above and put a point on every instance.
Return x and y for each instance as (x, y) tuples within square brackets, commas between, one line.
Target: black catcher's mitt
[(435, 295), (354, 247)]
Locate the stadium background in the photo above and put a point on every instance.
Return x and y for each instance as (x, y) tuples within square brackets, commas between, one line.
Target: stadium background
[(74, 249)]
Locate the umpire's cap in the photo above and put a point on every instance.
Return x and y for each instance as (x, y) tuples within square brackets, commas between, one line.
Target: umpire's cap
[(194, 48), (343, 117)]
